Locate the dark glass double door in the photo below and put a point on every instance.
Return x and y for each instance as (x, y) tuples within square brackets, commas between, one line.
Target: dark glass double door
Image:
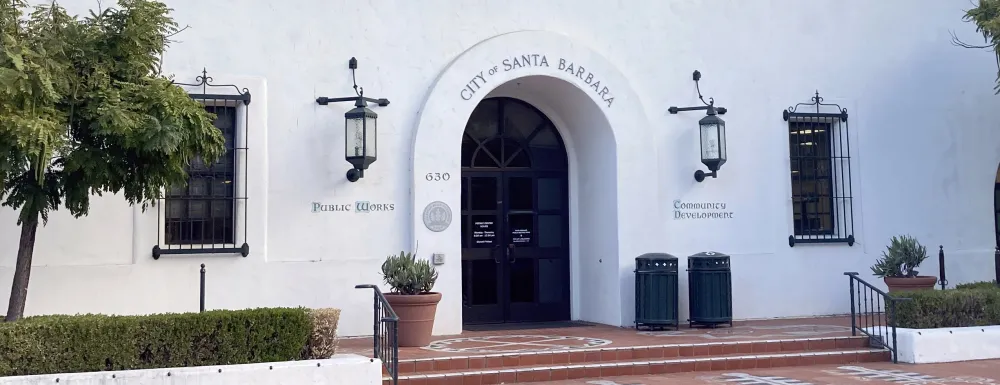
[(515, 254)]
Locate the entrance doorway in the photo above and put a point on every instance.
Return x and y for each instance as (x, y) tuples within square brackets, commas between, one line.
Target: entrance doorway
[(515, 223)]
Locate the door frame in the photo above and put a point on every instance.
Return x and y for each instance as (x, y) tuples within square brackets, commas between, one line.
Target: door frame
[(505, 310)]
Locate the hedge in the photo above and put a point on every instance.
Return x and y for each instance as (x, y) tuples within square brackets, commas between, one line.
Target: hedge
[(977, 285), (971, 305), (85, 343)]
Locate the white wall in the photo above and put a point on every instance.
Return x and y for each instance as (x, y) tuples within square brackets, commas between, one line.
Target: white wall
[(345, 369), (923, 144)]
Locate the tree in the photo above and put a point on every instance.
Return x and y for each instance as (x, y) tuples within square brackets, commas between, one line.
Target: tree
[(85, 110), (986, 17)]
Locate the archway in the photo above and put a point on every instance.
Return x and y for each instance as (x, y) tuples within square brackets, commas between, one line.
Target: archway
[(515, 216), (607, 136)]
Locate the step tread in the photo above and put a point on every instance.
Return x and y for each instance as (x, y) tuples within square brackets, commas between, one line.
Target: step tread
[(626, 353), (635, 347), (463, 372)]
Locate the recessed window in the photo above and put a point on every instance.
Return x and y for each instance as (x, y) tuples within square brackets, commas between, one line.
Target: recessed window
[(820, 174), (207, 215), (203, 212)]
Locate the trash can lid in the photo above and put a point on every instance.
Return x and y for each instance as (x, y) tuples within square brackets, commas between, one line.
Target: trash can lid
[(709, 254), (656, 256)]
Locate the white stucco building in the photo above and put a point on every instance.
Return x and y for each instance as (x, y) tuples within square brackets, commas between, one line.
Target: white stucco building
[(545, 125)]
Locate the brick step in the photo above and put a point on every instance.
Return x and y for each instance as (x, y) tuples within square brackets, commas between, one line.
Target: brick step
[(643, 367), (624, 353)]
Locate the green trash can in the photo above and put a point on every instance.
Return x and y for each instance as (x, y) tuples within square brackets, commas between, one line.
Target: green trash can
[(656, 304), (710, 289)]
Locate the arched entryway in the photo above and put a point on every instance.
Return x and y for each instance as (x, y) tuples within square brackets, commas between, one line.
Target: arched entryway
[(515, 206)]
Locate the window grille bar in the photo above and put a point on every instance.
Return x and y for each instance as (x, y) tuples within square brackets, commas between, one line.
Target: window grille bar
[(820, 161), (203, 216)]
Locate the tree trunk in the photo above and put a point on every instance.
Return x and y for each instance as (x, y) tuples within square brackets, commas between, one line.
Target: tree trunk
[(22, 271)]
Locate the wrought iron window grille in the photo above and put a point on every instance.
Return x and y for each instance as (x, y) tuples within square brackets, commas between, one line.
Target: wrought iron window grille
[(208, 215), (820, 173)]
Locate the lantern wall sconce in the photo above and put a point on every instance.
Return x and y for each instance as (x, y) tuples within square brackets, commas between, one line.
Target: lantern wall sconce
[(360, 129), (712, 131)]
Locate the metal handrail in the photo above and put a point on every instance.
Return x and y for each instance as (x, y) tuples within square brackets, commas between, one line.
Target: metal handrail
[(385, 338), (874, 305)]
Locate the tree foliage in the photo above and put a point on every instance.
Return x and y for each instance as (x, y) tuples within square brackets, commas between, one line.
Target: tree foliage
[(84, 109), (986, 17)]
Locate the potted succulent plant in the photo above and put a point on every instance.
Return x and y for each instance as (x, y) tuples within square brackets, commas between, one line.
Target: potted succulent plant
[(896, 267), (411, 298)]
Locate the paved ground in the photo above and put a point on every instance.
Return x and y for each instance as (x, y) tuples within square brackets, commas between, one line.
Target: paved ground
[(601, 336), (972, 372)]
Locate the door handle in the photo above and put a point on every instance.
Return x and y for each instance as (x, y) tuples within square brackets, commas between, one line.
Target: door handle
[(494, 252), (510, 253)]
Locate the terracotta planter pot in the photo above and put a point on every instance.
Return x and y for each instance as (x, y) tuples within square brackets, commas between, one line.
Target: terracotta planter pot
[(920, 282), (416, 317)]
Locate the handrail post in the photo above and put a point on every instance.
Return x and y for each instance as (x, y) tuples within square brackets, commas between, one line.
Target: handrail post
[(385, 317), (854, 317), (201, 295), (892, 322), (941, 268), (395, 352)]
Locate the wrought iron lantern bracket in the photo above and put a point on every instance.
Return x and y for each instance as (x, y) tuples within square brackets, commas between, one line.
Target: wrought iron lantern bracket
[(360, 102), (711, 112)]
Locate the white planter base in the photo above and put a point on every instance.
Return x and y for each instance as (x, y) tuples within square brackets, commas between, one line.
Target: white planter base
[(924, 346), (347, 369)]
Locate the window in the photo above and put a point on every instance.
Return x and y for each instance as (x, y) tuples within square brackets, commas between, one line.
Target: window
[(208, 214), (203, 212), (820, 168)]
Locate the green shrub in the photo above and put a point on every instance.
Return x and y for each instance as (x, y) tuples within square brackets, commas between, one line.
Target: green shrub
[(84, 343), (977, 285), (928, 309), (900, 258), (407, 275)]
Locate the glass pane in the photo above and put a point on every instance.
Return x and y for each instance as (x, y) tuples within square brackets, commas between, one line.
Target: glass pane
[(522, 279), (550, 231), (175, 208), (722, 141), (520, 193), (197, 187), (484, 231), (522, 228), (196, 209), (371, 128), (546, 151), (483, 193), (520, 159), (520, 120), (468, 149), (710, 141), (550, 194), (465, 194), (481, 282), (466, 231), (484, 121), (489, 155), (551, 280), (354, 139)]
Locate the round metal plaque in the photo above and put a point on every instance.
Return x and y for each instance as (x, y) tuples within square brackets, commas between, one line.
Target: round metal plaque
[(437, 216)]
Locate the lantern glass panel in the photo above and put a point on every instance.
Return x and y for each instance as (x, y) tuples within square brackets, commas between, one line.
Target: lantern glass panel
[(722, 140), (711, 146), (370, 137), (355, 137)]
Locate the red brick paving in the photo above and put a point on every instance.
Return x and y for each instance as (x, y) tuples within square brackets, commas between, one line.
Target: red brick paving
[(512, 341), (970, 372)]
